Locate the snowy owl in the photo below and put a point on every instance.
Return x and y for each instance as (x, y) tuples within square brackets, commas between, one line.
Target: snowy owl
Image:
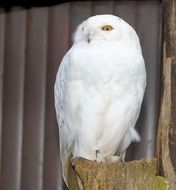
[(99, 90)]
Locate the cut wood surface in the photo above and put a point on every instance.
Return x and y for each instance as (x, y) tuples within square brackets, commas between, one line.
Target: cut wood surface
[(134, 175)]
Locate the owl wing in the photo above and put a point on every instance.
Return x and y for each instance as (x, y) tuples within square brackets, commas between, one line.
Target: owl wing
[(59, 89), (64, 135)]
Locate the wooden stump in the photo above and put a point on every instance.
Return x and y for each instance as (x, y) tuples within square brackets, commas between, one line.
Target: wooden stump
[(134, 175)]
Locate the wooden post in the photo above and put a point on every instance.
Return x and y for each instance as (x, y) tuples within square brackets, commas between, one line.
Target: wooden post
[(166, 141), (135, 175)]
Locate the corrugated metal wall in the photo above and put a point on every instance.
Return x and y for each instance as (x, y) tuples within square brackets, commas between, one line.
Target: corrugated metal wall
[(32, 44)]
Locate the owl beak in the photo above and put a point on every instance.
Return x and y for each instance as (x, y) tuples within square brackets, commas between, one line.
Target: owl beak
[(91, 35), (88, 39), (88, 35)]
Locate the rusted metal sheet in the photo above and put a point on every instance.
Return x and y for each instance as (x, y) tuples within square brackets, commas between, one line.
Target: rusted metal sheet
[(34, 99), (58, 35), (13, 91), (148, 28), (103, 7), (32, 44), (127, 10), (2, 36)]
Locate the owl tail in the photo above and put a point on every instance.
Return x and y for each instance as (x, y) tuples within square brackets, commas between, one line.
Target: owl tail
[(69, 173), (134, 135)]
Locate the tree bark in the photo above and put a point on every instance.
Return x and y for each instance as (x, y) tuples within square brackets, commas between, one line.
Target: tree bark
[(135, 175), (166, 141)]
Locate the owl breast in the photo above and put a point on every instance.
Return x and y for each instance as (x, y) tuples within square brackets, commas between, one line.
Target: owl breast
[(103, 93)]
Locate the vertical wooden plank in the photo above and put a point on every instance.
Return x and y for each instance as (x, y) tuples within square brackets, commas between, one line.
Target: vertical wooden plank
[(166, 139), (126, 10), (34, 100), (79, 11), (2, 36), (148, 23), (13, 98), (103, 7), (58, 36)]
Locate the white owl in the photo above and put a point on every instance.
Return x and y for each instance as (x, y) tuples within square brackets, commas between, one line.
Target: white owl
[(99, 90)]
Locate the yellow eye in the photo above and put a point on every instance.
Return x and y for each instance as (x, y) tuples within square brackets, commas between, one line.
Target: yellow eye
[(107, 28)]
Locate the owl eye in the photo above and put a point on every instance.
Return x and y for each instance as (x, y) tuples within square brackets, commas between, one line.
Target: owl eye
[(107, 28)]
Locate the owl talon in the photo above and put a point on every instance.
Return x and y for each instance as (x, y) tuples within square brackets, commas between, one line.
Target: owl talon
[(112, 159)]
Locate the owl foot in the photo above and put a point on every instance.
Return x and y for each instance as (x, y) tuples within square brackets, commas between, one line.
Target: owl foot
[(111, 159), (99, 157)]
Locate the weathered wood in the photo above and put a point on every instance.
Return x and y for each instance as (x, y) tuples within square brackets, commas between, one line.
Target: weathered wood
[(118, 175), (166, 141)]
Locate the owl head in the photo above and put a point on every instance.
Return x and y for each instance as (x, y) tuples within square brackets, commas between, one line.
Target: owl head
[(108, 28)]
